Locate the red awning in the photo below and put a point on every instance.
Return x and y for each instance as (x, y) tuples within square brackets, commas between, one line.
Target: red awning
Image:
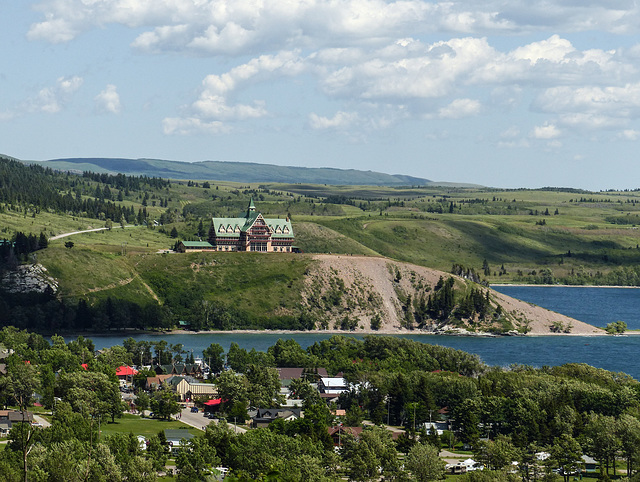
[(213, 403), (125, 371)]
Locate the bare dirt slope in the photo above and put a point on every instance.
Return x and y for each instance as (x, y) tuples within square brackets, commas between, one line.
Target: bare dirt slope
[(373, 286)]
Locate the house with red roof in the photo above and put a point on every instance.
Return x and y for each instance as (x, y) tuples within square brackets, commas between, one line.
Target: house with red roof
[(126, 373)]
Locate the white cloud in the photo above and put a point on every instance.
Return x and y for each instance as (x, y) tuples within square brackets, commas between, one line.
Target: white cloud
[(591, 107), (340, 120), (554, 49), (219, 26), (623, 101), (214, 104), (546, 131), (108, 100), (54, 30), (53, 99), (428, 72), (460, 108), (411, 79), (48, 100), (629, 135)]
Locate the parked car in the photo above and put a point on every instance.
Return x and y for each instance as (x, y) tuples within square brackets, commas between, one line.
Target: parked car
[(194, 409)]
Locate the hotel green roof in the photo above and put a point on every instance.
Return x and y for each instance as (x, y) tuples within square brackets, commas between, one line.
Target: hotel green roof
[(197, 244), (232, 227)]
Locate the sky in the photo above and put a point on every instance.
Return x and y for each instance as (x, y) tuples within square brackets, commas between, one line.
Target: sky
[(502, 93)]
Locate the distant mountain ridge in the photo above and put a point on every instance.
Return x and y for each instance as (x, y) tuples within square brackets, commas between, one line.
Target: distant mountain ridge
[(232, 171)]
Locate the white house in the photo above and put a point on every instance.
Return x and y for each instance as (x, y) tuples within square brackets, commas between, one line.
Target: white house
[(332, 385)]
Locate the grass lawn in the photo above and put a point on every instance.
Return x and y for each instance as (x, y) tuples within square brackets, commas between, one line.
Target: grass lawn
[(144, 426)]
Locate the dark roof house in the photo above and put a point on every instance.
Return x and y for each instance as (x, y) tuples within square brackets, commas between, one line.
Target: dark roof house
[(264, 416)]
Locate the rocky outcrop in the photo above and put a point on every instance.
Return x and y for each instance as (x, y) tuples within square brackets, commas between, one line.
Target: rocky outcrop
[(29, 278), (349, 292)]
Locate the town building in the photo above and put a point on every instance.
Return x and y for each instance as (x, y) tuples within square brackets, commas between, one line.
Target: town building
[(10, 417), (252, 232), (193, 246)]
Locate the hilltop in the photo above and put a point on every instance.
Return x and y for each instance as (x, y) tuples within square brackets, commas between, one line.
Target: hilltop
[(229, 291), (244, 172)]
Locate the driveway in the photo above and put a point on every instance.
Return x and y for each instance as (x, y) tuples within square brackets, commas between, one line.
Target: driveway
[(199, 421), (41, 420)]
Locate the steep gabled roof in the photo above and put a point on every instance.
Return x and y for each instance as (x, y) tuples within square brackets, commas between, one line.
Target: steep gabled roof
[(232, 227)]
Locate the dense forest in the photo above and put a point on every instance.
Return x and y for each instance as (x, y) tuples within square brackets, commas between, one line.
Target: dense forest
[(505, 416), (38, 188)]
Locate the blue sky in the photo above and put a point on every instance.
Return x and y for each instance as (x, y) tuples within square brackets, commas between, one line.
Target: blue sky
[(504, 93)]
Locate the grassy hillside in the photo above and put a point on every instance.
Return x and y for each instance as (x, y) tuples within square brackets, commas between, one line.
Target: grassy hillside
[(577, 236), (534, 236), (231, 171)]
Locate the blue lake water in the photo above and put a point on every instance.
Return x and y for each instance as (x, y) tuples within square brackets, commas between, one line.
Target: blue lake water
[(598, 306)]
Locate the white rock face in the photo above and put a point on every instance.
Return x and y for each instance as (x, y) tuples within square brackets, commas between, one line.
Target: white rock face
[(29, 278)]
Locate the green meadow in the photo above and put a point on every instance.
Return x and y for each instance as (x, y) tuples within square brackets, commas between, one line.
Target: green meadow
[(506, 235)]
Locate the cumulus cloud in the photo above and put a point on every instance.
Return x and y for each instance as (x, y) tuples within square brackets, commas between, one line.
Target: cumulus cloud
[(108, 101), (219, 26), (48, 100), (460, 108), (54, 98), (407, 78), (591, 107), (215, 107), (369, 56), (629, 135), (545, 132), (339, 120), (623, 101)]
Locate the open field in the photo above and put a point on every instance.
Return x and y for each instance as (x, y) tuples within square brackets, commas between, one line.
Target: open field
[(144, 426)]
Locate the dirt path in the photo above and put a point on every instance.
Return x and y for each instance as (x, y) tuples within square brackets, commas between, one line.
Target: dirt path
[(110, 286), (64, 235), (53, 238), (149, 289)]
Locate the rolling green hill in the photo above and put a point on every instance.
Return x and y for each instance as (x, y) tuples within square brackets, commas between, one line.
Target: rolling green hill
[(243, 172), (549, 235)]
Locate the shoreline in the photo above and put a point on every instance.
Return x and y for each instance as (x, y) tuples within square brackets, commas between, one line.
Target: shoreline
[(491, 285), (344, 333)]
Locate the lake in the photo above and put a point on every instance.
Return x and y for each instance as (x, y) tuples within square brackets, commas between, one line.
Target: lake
[(598, 306)]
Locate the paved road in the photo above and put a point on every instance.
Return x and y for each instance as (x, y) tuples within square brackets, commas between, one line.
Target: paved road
[(199, 421)]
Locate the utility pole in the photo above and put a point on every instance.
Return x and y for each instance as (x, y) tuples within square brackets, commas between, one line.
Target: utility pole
[(388, 409), (414, 418)]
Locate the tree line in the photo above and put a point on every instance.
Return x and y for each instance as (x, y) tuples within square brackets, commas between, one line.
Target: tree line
[(503, 414)]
